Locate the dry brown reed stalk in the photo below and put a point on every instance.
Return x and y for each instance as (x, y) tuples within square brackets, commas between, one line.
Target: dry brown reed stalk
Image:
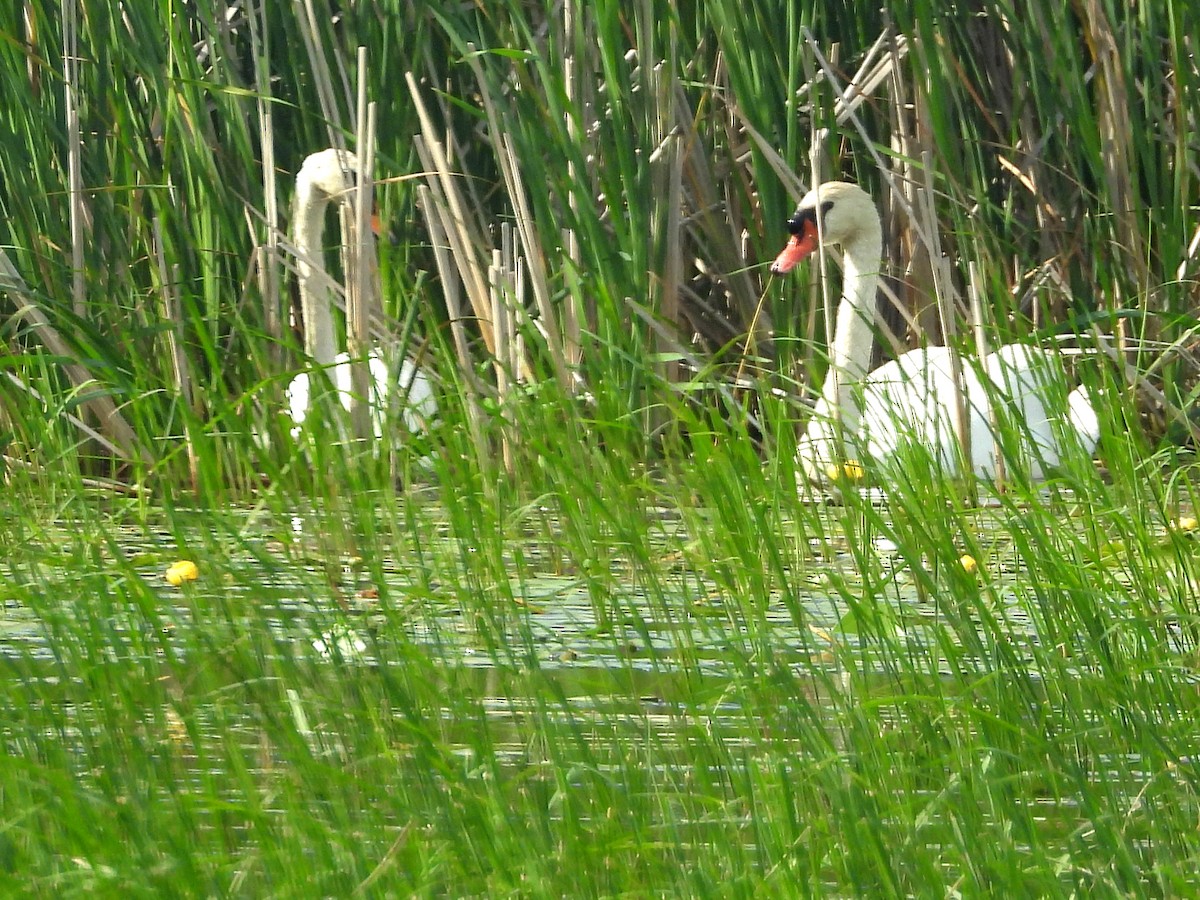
[(578, 104), (465, 235), (670, 340), (111, 421), (1057, 241), (450, 278), (452, 296), (362, 273), (1117, 154), (944, 292), (115, 434), (268, 255), (533, 256), (847, 111), (560, 347), (816, 166), (666, 161), (917, 283), (716, 224), (750, 331), (180, 366), (78, 211), (505, 282), (666, 177)]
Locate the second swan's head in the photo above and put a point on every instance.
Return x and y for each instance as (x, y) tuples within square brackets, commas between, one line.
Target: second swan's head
[(847, 214), (329, 172)]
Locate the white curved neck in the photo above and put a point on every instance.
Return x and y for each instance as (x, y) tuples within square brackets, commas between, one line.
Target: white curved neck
[(316, 302), (854, 330)]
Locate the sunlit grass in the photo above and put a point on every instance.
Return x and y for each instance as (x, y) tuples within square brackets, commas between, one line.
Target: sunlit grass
[(754, 683), (590, 635)]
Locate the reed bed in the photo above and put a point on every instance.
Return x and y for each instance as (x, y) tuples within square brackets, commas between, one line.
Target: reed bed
[(588, 634)]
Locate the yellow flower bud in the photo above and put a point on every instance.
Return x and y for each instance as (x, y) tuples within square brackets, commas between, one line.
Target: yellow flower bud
[(184, 570), (850, 470)]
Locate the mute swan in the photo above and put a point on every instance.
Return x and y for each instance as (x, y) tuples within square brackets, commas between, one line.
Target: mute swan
[(909, 403), (325, 177)]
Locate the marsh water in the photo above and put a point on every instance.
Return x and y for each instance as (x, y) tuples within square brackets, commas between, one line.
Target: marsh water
[(281, 574), (629, 658)]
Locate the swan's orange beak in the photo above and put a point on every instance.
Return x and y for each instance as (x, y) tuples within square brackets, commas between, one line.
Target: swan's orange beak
[(801, 246), (383, 231)]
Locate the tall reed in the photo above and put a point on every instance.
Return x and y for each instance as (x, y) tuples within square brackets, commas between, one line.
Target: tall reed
[(588, 634)]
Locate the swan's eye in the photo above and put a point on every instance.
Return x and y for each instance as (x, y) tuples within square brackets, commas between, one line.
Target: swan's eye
[(800, 221)]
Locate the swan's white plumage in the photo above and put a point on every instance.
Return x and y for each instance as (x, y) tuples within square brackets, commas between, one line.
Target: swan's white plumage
[(907, 404), (327, 177), (413, 387)]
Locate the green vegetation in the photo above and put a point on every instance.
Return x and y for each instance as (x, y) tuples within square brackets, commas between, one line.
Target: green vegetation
[(588, 636)]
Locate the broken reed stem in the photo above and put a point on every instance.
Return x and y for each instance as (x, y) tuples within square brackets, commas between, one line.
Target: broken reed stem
[(943, 291), (497, 286), (457, 225), (83, 426), (124, 442), (321, 76), (573, 109), (506, 157), (361, 276), (849, 111), (667, 160), (535, 260), (74, 154), (269, 281), (180, 367), (451, 280), (452, 294)]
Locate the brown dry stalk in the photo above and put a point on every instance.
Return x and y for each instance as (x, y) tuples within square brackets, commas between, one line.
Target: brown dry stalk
[(101, 406)]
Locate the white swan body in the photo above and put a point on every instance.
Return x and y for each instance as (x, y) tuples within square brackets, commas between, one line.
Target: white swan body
[(412, 390), (907, 406), (326, 177)]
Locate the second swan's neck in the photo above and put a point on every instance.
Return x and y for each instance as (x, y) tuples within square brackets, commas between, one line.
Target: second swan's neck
[(315, 299), (854, 330)]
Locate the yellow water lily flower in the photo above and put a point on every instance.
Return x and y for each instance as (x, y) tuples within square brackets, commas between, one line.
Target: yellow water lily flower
[(184, 570), (967, 561), (1185, 524), (850, 470)]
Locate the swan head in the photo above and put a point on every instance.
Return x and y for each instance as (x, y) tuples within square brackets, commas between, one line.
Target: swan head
[(847, 216), (330, 173)]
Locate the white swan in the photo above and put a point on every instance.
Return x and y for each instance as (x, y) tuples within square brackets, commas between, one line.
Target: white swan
[(325, 177), (908, 404)]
